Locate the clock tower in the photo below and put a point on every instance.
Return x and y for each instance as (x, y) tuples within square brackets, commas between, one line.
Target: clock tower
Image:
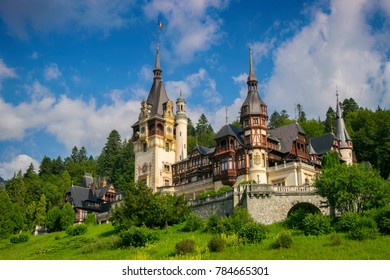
[(153, 135)]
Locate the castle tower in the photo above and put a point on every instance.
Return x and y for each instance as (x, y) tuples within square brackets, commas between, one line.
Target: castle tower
[(181, 129), (345, 141), (154, 142), (254, 120)]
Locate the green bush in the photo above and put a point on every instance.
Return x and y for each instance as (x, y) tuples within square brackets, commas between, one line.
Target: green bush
[(348, 221), (358, 227), (193, 223), (382, 218), (90, 219), (76, 230), (298, 213), (363, 233), (214, 224), (207, 193), (252, 233), (316, 224), (284, 239), (24, 237), (137, 237), (185, 247), (224, 189), (217, 244)]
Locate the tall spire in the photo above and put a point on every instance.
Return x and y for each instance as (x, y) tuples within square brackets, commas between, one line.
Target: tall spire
[(341, 131), (157, 68), (252, 80)]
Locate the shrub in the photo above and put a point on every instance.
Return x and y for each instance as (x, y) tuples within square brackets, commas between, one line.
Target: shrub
[(90, 219), (207, 193), (348, 221), (252, 233), (284, 239), (19, 238), (316, 224), (224, 189), (214, 224), (382, 218), (185, 247), (239, 219), (357, 226), (363, 233), (193, 223), (298, 213), (217, 244), (137, 237), (335, 239), (76, 230)]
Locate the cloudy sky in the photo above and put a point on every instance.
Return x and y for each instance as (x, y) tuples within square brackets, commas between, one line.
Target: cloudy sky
[(71, 71)]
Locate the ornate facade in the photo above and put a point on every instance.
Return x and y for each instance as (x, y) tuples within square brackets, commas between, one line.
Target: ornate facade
[(282, 156)]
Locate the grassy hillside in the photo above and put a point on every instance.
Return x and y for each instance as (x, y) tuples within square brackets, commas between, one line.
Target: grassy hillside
[(100, 243)]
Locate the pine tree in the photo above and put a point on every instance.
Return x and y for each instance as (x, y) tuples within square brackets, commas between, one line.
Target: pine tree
[(40, 216)]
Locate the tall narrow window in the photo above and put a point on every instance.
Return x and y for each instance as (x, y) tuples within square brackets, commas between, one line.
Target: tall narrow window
[(167, 147)]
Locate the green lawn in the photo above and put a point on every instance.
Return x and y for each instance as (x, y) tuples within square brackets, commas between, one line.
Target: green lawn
[(99, 244)]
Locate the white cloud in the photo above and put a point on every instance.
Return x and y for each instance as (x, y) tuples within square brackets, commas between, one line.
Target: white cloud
[(20, 162), (71, 121), (52, 72), (6, 72), (63, 15), (334, 49), (191, 28), (200, 81)]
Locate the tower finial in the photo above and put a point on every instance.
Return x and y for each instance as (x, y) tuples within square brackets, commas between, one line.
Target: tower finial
[(252, 76)]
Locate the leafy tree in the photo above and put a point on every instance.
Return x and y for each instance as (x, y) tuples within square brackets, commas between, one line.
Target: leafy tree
[(40, 213), (7, 225), (330, 120), (107, 162), (237, 123), (370, 132), (349, 105), (53, 219), (312, 128), (16, 189), (59, 219), (279, 119), (143, 207), (204, 132), (190, 128), (301, 113), (355, 188)]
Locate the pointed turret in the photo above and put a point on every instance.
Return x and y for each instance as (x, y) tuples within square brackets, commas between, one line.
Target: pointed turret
[(341, 132), (345, 141), (157, 96), (253, 103)]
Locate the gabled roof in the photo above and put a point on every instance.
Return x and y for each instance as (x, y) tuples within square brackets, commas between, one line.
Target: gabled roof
[(81, 194), (230, 130), (204, 150), (286, 134), (323, 144)]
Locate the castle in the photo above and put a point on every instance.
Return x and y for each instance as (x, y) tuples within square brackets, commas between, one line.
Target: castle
[(281, 156)]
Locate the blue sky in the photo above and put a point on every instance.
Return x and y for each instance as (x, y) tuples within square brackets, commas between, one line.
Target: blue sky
[(72, 71)]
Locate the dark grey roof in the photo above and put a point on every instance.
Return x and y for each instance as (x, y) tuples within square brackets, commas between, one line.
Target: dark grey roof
[(286, 134), (254, 103), (80, 195), (204, 150), (230, 130), (157, 97), (322, 144)]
